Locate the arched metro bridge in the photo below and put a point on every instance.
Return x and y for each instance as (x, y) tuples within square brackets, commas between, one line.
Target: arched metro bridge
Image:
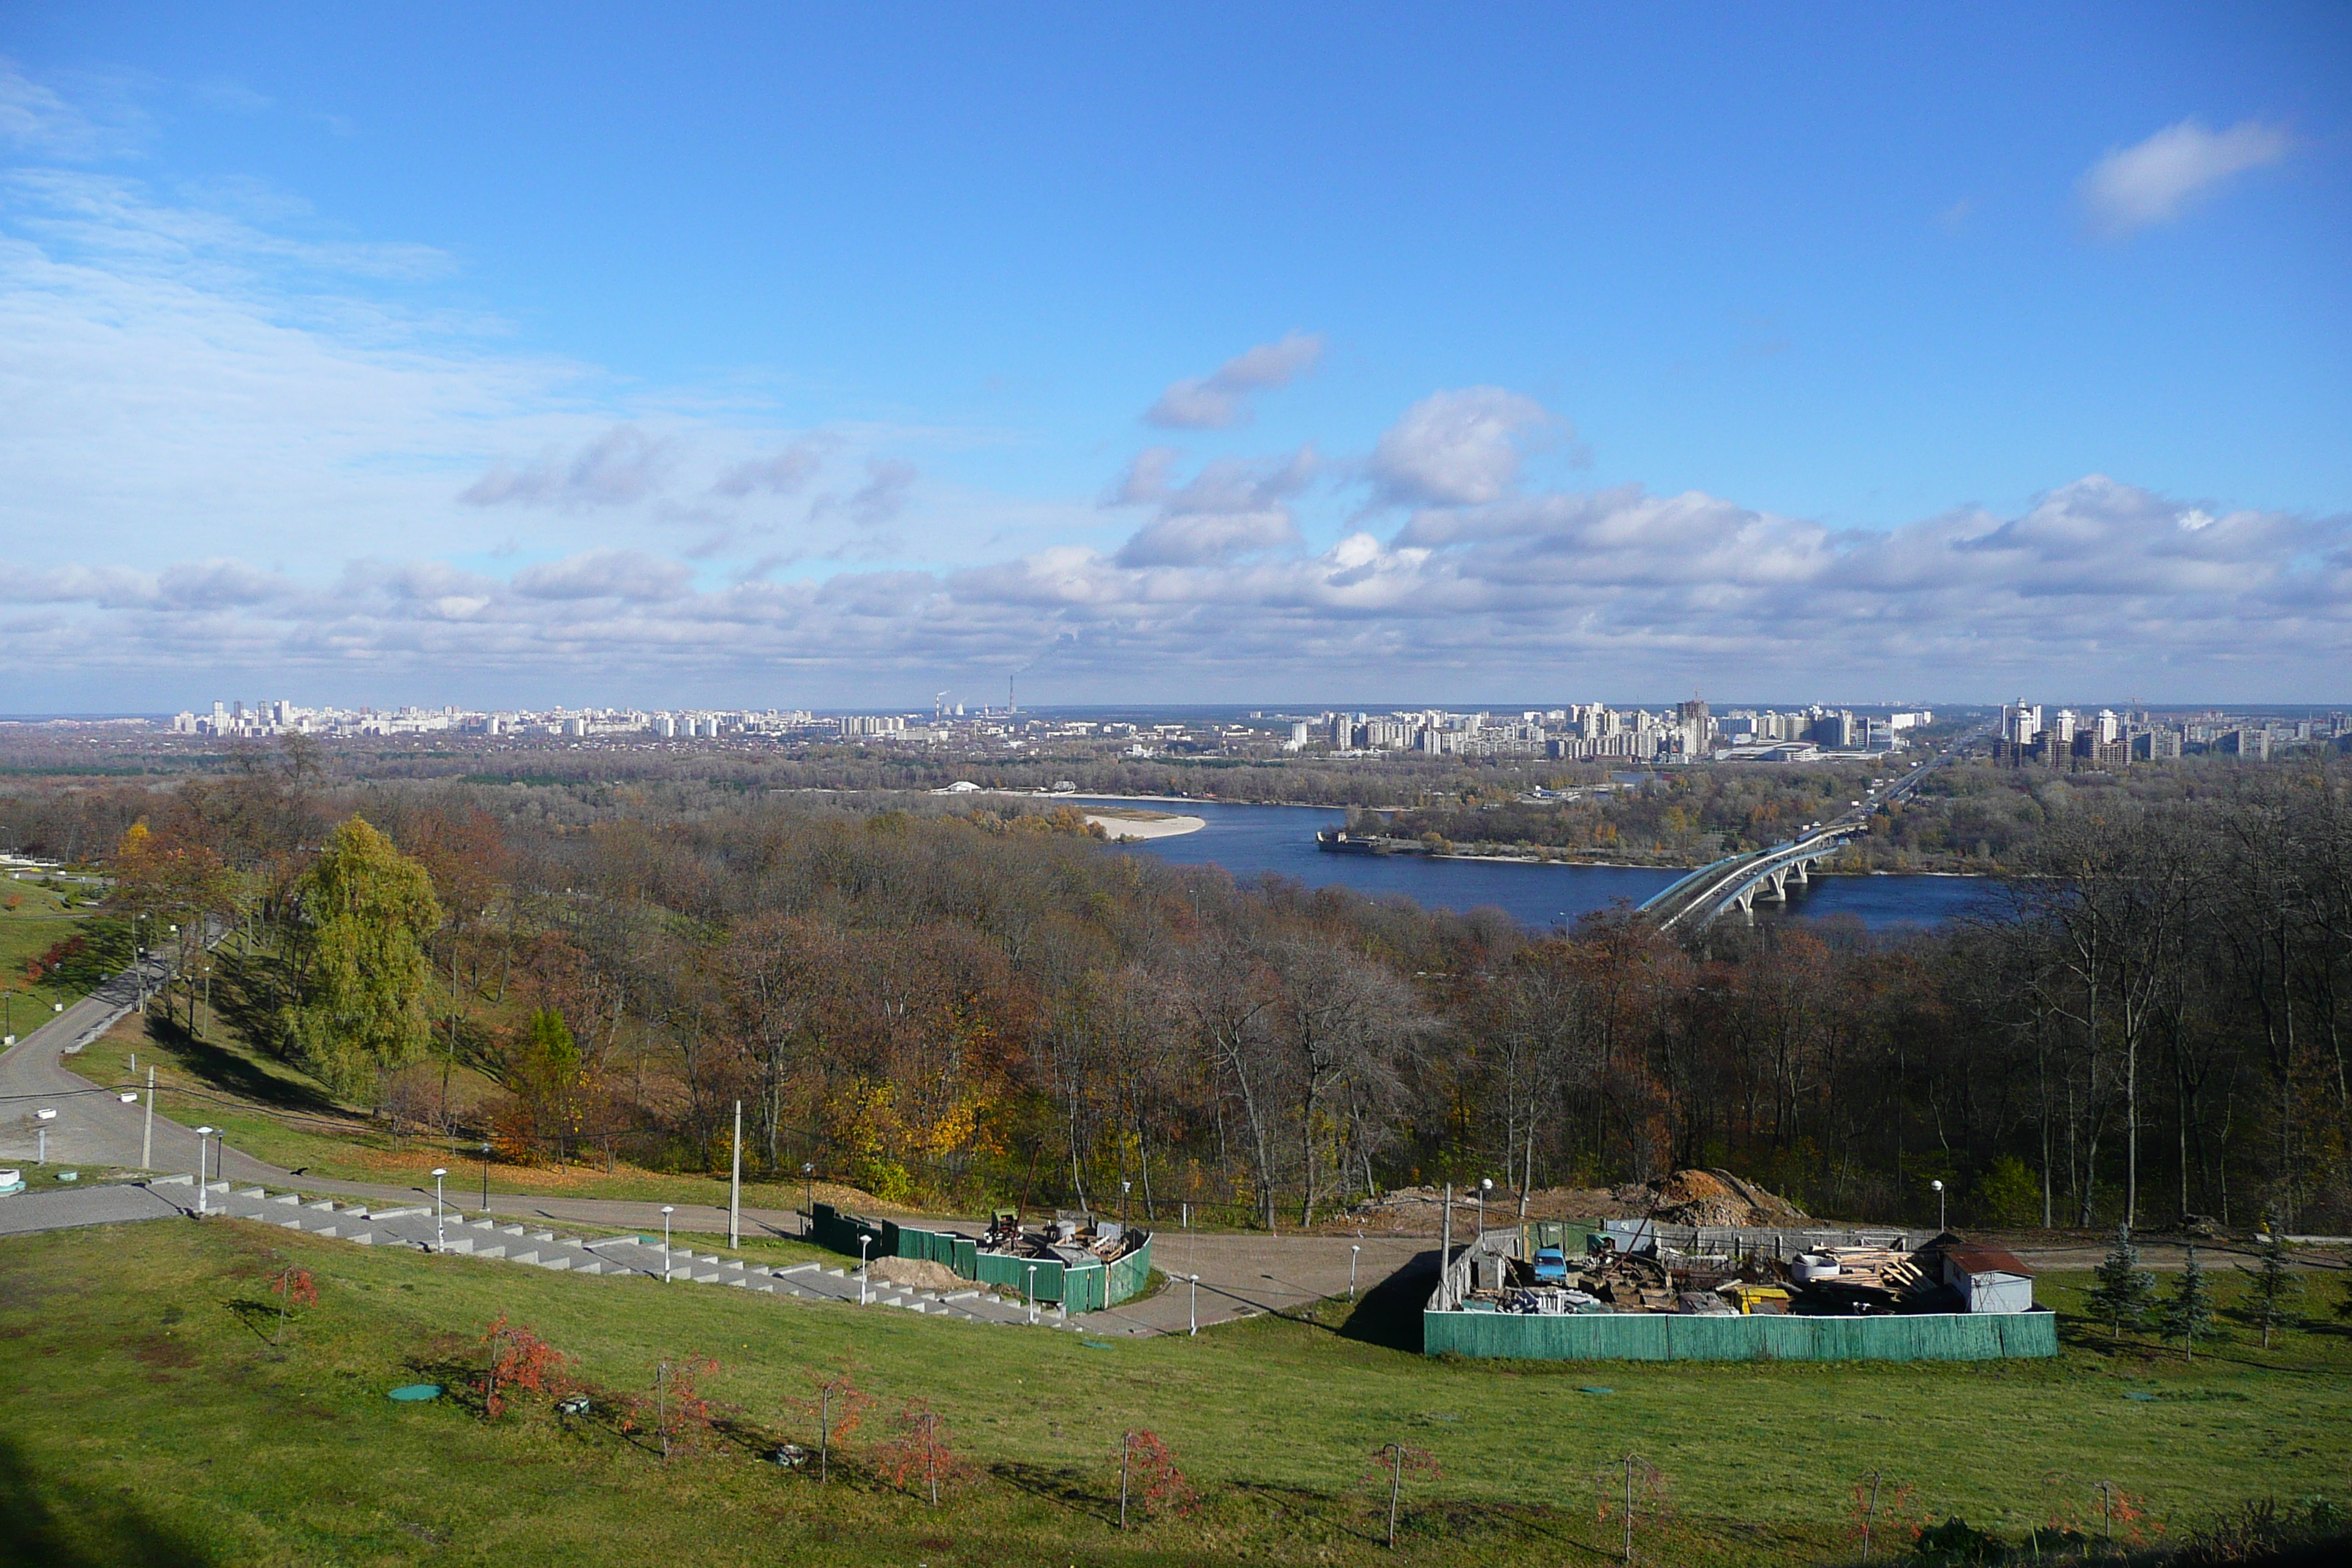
[(1740, 880)]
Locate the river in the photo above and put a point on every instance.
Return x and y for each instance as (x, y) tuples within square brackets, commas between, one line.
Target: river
[(1249, 841)]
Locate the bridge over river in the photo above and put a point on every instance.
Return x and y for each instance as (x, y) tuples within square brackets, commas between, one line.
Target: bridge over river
[(1739, 881)]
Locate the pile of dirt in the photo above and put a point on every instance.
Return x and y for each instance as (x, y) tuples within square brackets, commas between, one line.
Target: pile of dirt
[(1713, 1197), (1685, 1197), (915, 1274)]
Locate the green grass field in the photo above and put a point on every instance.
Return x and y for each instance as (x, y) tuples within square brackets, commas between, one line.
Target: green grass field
[(42, 917), (152, 1420)]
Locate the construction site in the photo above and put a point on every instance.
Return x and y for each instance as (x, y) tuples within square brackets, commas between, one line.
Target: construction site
[(1643, 1287), (1076, 1262)]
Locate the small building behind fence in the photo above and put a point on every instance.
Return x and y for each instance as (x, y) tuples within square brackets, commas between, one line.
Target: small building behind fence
[(1075, 1261)]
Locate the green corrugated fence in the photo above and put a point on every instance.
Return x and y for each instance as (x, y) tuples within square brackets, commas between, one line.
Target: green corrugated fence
[(1084, 1286), (1664, 1336)]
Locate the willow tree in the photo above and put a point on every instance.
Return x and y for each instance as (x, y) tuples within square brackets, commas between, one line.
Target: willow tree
[(362, 914)]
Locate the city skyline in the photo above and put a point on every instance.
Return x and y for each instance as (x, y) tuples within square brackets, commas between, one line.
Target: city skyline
[(455, 363)]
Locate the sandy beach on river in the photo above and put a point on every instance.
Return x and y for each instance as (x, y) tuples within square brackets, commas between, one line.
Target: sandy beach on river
[(1121, 824)]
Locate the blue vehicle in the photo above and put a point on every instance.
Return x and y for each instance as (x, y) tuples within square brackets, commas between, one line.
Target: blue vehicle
[(1551, 1265)]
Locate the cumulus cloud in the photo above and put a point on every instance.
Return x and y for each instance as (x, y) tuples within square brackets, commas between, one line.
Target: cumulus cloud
[(1231, 507), (1459, 448), (621, 465), (1215, 401), (2154, 181)]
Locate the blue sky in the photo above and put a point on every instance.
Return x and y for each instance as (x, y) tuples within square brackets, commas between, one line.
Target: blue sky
[(738, 355)]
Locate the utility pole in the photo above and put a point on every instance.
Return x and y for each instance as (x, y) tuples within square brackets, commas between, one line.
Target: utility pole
[(735, 1186), (147, 1138)]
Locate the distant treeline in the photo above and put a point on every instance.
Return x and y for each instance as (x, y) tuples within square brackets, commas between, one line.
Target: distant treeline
[(975, 1001)]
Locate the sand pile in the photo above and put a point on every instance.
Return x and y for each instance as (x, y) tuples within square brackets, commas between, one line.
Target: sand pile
[(915, 1274)]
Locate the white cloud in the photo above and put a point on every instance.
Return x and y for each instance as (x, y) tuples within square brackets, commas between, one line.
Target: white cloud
[(1459, 448), (1215, 401), (1563, 592), (2152, 182), (627, 574), (1230, 508)]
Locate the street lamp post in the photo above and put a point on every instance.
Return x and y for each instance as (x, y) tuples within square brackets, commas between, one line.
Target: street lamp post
[(1354, 1251), (864, 1241), (667, 1209), (1032, 1292), (735, 1187), (438, 1233), (485, 1178), (202, 1133), (1939, 1204), (1196, 1307), (1485, 1185), (1123, 1186), (808, 1200)]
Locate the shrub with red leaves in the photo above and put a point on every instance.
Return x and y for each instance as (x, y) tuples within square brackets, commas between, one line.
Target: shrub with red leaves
[(520, 1362), (1147, 1471)]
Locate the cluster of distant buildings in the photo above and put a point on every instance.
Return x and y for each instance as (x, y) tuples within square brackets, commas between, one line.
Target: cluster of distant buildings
[(2032, 736), (1594, 732), (262, 721), (2028, 734)]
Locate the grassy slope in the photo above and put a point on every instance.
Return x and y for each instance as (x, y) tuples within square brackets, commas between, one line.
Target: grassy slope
[(161, 1422), (275, 1111), (39, 923)]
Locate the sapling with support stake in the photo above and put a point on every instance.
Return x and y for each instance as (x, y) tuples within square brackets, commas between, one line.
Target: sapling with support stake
[(1397, 1458), (1636, 1477), (838, 1405), (1147, 1468), (294, 1287), (1876, 1498)]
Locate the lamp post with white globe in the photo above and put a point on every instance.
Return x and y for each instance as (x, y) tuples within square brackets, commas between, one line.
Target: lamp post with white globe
[(202, 1133), (439, 1237), (667, 1210), (1939, 1204)]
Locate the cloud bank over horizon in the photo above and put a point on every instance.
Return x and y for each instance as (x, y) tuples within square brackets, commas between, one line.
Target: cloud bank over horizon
[(250, 457)]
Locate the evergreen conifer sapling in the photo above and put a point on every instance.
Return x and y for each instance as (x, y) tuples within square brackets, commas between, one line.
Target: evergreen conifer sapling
[(2273, 1283), (2189, 1309), (2124, 1291)]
